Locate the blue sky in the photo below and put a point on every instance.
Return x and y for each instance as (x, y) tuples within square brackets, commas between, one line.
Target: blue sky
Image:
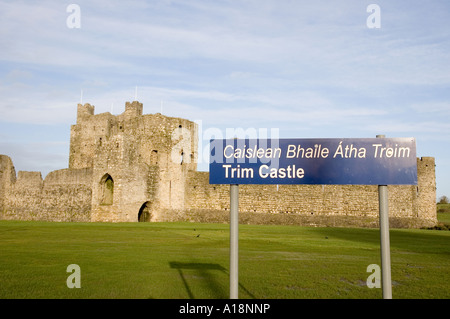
[(304, 68)]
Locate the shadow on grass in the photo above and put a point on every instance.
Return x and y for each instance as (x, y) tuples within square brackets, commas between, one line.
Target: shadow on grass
[(205, 271), (414, 240)]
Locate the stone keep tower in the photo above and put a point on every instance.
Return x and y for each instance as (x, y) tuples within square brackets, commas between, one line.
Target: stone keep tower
[(139, 162)]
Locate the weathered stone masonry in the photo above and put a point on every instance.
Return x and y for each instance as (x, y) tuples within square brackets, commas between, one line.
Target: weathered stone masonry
[(133, 167), (321, 205)]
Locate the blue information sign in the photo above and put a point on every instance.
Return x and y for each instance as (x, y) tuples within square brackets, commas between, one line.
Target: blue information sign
[(351, 161)]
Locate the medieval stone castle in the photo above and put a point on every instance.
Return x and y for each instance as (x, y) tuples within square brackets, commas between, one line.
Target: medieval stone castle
[(133, 167)]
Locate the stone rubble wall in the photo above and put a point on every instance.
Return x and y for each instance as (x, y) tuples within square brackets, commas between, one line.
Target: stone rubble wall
[(321, 205), (64, 195)]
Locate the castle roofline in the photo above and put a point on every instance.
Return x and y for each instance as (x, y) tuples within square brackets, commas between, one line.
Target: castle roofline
[(132, 109)]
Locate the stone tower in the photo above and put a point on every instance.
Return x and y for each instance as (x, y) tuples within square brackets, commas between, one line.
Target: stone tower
[(139, 162)]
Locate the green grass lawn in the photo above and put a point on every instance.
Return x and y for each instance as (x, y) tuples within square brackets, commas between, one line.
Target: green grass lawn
[(187, 260), (443, 213), (443, 208)]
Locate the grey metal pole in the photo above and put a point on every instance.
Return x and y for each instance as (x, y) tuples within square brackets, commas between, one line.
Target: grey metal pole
[(234, 241), (386, 283)]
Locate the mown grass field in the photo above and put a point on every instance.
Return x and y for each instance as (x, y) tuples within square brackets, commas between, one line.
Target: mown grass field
[(187, 260), (443, 213)]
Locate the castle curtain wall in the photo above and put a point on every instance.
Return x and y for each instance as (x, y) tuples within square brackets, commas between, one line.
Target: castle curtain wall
[(316, 205), (123, 165), (64, 195)]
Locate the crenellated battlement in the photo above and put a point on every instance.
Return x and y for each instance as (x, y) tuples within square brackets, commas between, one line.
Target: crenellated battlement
[(84, 111), (133, 108)]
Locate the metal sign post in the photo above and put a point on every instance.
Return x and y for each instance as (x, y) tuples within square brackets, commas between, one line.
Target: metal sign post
[(384, 240), (234, 241)]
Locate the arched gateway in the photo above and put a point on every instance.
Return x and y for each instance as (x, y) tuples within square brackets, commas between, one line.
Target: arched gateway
[(145, 214)]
